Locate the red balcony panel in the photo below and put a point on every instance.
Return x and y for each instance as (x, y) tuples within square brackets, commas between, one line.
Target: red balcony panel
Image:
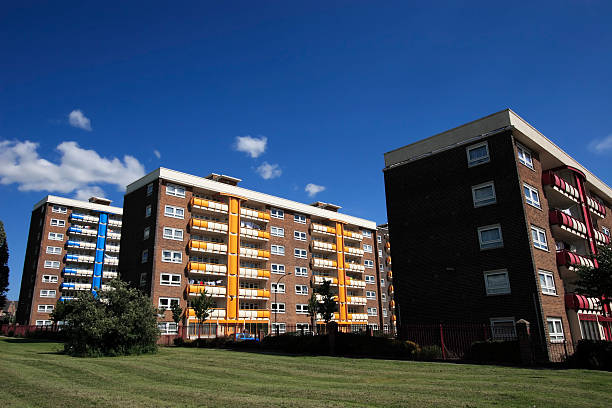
[(596, 207), (549, 178), (573, 260), (560, 218), (601, 238)]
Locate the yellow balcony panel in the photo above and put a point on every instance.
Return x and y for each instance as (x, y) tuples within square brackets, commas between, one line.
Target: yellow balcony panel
[(254, 214), (354, 267), (208, 205), (353, 251), (323, 263), (254, 253), (323, 246), (356, 300), (205, 246), (322, 229), (254, 273), (215, 291), (205, 225), (214, 314), (207, 268), (357, 317), (254, 314), (353, 235), (390, 275), (355, 283), (253, 233), (320, 279), (254, 293)]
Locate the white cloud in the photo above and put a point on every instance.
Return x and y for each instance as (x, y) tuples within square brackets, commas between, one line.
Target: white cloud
[(252, 146), (601, 145), (88, 192), (78, 169), (157, 153), (269, 171), (78, 120), (313, 189)]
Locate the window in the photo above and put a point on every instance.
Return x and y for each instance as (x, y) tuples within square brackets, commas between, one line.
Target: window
[(524, 156), (59, 209), (143, 279), (279, 328), (539, 238), (43, 323), (49, 278), (173, 233), (52, 264), (301, 271), (277, 231), (497, 282), (605, 230), (371, 311), (379, 239), (299, 218), (555, 329), (166, 303), (170, 279), (149, 189), (57, 223), (589, 330), (45, 308), (368, 263), (301, 309), (477, 154), (490, 237), (146, 233), (276, 213), (174, 190), (301, 289), (148, 210), (367, 248), (531, 196), (277, 268), (380, 252), (166, 328), (144, 258), (381, 266), (384, 312), (547, 282), (366, 233), (382, 281), (54, 250), (277, 250), (370, 294), (370, 279), (278, 288), (383, 297), (503, 328), (47, 293), (299, 235), (300, 253), (54, 236), (278, 308), (172, 256), (174, 212), (302, 326), (484, 194)]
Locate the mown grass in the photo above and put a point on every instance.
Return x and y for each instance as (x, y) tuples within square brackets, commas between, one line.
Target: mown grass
[(34, 374)]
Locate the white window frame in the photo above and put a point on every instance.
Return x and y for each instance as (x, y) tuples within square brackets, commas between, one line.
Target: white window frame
[(379, 239), (383, 297), (370, 294), (300, 253), (490, 244), (380, 253), (372, 311), (167, 328), (368, 263), (301, 271), (278, 307), (502, 290), (277, 213), (172, 212), (59, 209), (43, 323), (487, 201), (56, 236), (173, 233), (366, 233), (282, 328), (280, 268), (51, 264), (385, 313), (538, 243), (53, 250), (299, 235), (277, 250), (170, 300), (277, 231), (299, 218), (149, 189), (367, 248), (148, 211), (146, 233), (278, 288), (301, 290), (301, 308), (530, 199), (175, 190), (605, 230), (370, 279), (48, 293), (549, 277), (144, 256), (172, 258), (555, 336), (45, 308), (170, 279), (504, 322), (50, 278), (56, 222), (525, 153), (483, 160)]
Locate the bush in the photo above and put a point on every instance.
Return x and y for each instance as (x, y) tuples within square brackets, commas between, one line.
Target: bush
[(592, 354), (494, 351), (429, 353)]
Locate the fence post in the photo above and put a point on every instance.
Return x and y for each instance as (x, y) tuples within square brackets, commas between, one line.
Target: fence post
[(524, 338), (442, 342)]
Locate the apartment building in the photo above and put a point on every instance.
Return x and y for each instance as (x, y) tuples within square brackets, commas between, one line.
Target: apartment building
[(385, 279), (489, 221), (258, 255), (72, 246)]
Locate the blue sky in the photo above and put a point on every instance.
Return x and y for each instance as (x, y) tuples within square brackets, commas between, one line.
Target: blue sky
[(331, 86)]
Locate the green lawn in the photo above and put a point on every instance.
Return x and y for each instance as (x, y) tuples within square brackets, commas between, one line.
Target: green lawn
[(34, 374)]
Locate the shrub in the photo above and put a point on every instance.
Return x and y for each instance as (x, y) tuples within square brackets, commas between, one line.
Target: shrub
[(592, 354), (432, 352), (494, 351)]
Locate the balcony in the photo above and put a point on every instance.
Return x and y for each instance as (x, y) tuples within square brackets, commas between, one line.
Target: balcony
[(389, 275), (78, 272), (389, 260), (252, 233), (352, 251), (254, 214), (81, 244), (320, 279), (75, 286), (214, 291), (571, 260), (391, 289), (322, 229), (208, 205), (596, 208), (112, 248), (352, 235), (66, 298), (323, 263), (323, 246), (253, 314), (254, 253), (392, 303), (254, 273), (601, 238), (113, 235), (387, 246), (354, 267), (209, 247), (559, 190), (84, 218), (79, 258), (246, 293), (206, 268), (115, 223), (357, 317), (210, 226), (354, 283), (356, 300), (566, 226), (214, 314), (90, 232), (109, 275), (110, 260)]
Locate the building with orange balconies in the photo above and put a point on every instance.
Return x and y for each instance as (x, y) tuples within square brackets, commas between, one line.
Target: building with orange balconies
[(257, 255), (489, 221)]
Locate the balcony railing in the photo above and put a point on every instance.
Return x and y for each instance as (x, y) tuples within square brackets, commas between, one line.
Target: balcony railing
[(206, 268), (79, 258), (356, 300), (78, 272), (75, 286), (353, 235), (214, 291), (320, 279), (355, 283), (323, 263), (392, 303), (254, 273), (253, 314), (391, 289), (216, 313), (211, 226), (246, 293), (115, 223), (556, 183), (254, 233), (389, 275), (208, 205), (601, 238), (205, 246), (254, 253), (596, 208), (572, 260), (354, 267), (353, 251), (323, 246), (84, 218), (83, 231), (112, 248), (358, 317), (113, 236), (567, 223), (111, 261), (81, 244), (322, 229), (254, 214)]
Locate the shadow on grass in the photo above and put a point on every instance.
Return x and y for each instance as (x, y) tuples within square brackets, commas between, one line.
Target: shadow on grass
[(27, 340)]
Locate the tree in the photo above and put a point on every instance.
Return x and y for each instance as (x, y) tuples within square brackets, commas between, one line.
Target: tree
[(313, 309), (202, 306), (4, 269), (597, 282), (177, 313), (327, 305)]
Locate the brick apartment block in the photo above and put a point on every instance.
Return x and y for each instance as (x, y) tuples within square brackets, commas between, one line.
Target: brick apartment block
[(258, 255), (489, 221), (72, 246)]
